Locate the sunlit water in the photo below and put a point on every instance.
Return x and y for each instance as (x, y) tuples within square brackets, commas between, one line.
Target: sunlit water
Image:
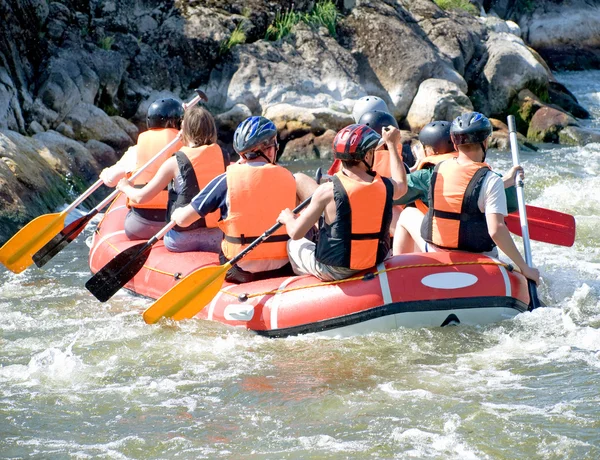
[(80, 379)]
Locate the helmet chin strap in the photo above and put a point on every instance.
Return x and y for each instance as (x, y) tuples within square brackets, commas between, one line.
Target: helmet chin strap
[(484, 150)]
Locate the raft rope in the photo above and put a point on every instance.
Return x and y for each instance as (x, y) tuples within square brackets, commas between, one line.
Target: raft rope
[(366, 277)]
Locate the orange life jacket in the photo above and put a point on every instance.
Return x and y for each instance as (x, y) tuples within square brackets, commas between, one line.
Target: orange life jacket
[(430, 161), (359, 236), (454, 220), (149, 144), (256, 195), (197, 166), (381, 164)]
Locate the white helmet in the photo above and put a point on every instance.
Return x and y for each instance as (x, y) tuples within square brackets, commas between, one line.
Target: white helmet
[(368, 104)]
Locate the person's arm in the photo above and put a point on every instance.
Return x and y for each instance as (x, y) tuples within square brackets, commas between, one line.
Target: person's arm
[(391, 136), (297, 225), (186, 216), (501, 236), (164, 175), (111, 176), (210, 198), (417, 186)]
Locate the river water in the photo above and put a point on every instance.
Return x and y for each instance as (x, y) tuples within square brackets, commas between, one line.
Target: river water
[(80, 379)]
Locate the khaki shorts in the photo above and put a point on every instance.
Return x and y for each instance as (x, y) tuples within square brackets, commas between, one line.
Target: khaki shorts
[(302, 257)]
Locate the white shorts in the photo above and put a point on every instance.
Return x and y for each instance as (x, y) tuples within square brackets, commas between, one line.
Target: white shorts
[(302, 257)]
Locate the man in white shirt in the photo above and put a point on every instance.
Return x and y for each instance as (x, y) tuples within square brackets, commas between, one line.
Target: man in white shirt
[(467, 202)]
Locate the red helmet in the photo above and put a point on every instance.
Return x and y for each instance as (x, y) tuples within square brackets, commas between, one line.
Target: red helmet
[(354, 141)]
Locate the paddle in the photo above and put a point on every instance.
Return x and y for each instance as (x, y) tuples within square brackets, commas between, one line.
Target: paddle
[(534, 301), (54, 244), (545, 225), (16, 254), (115, 274), (196, 290)]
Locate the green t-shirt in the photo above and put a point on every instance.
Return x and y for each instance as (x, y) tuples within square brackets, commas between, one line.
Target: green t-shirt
[(418, 189)]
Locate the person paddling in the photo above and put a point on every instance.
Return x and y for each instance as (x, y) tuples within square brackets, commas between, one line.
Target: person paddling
[(438, 146), (467, 202), (164, 121), (249, 196), (186, 173), (355, 209)]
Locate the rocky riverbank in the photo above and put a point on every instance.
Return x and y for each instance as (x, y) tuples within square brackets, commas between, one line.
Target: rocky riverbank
[(76, 76)]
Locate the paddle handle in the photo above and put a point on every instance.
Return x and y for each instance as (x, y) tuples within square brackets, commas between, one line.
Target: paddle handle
[(514, 148), (267, 234)]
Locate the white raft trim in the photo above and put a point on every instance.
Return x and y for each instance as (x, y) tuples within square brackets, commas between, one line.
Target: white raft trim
[(507, 285), (104, 238), (274, 304), (384, 282), (449, 280), (213, 303)]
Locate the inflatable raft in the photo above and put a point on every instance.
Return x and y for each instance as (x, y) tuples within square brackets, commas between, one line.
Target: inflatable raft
[(412, 290)]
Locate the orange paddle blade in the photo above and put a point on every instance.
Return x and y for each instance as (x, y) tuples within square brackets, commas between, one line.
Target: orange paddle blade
[(17, 253), (189, 296)]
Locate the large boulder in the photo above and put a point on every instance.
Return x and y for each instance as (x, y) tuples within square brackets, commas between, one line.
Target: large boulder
[(437, 100), (547, 123), (510, 68), (394, 56), (565, 33), (307, 69), (89, 122), (28, 185)]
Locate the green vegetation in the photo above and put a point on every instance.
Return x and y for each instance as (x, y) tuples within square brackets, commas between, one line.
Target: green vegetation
[(457, 5), (237, 36), (324, 13), (106, 43), (282, 25)]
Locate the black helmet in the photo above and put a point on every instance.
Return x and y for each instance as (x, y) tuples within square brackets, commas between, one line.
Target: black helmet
[(377, 120), (165, 113), (252, 134), (470, 128), (437, 136)]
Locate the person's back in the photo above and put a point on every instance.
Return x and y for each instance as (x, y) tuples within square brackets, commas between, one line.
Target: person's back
[(467, 202), (163, 120), (185, 174), (356, 209), (249, 196)]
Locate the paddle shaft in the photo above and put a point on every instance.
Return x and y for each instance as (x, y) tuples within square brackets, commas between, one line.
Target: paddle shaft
[(267, 234), (514, 148)]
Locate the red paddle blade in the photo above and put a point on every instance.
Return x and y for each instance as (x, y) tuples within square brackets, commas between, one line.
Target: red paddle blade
[(545, 225)]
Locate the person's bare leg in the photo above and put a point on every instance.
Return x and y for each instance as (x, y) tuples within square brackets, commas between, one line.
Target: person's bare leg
[(305, 186), (407, 237), (396, 210)]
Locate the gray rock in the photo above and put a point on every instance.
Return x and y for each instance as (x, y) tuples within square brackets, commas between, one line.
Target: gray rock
[(229, 121), (11, 116), (510, 68), (577, 135), (565, 33), (89, 122), (68, 156), (305, 70), (437, 100), (131, 130), (103, 153)]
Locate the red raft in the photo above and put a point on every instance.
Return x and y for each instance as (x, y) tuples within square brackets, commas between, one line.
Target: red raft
[(412, 290)]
